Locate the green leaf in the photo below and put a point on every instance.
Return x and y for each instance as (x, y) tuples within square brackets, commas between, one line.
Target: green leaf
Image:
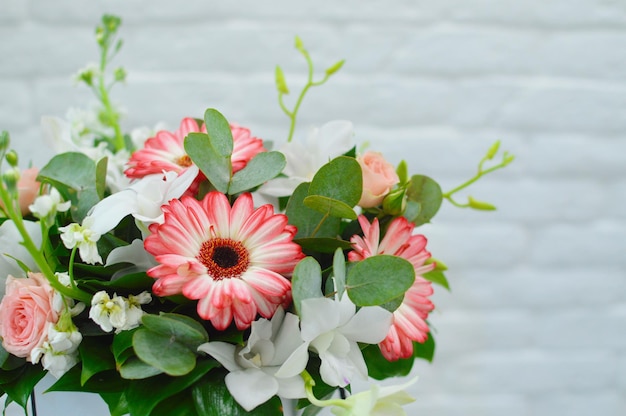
[(306, 281), (437, 276), (181, 404), (122, 345), (427, 194), (212, 398), (164, 352), (216, 167), (161, 387), (135, 369), (339, 272), (379, 279), (218, 130), (340, 179), (22, 386), (332, 207), (118, 406), (322, 245), (104, 382), (95, 356), (74, 175), (426, 350), (101, 177), (393, 304), (184, 329), (263, 167), (380, 369), (306, 219)]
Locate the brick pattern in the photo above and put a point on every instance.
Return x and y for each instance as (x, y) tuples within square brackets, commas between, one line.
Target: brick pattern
[(535, 323)]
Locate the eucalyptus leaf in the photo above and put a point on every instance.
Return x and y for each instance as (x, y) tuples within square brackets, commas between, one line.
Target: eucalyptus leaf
[(307, 220), (306, 281), (330, 206), (339, 272), (379, 279), (263, 167), (135, 369), (340, 179), (322, 245), (180, 328), (425, 192), (163, 352), (215, 166), (218, 130)]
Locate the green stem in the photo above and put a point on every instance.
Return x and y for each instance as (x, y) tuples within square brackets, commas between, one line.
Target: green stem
[(111, 115), (308, 387), (481, 173), (319, 225)]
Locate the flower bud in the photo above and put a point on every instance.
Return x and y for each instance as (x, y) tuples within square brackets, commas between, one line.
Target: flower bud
[(281, 84), (12, 158), (480, 205), (10, 179), (493, 150), (5, 140), (395, 202), (119, 74), (336, 67)]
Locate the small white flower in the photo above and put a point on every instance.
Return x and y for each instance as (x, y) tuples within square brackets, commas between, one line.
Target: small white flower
[(118, 312), (60, 352), (83, 237), (46, 206), (254, 369)]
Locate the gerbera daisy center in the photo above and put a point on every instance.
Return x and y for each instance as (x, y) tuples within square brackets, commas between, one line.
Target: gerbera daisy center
[(223, 258), (184, 161)]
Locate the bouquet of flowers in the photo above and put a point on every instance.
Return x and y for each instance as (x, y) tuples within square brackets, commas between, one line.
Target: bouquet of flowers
[(195, 271)]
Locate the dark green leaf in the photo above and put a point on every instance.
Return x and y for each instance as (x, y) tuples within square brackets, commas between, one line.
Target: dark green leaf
[(103, 382), (161, 387), (22, 386), (95, 356), (323, 245), (212, 398), (379, 368), (425, 192), (135, 369), (263, 167), (379, 279), (118, 406), (122, 345), (181, 404), (425, 350)]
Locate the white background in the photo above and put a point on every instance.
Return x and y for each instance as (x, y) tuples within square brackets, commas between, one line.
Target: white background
[(536, 319)]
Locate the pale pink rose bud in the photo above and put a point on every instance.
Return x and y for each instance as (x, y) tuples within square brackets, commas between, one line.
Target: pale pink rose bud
[(27, 188), (379, 176), (25, 312)]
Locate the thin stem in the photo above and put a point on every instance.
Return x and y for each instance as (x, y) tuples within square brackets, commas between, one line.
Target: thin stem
[(112, 116), (319, 225)]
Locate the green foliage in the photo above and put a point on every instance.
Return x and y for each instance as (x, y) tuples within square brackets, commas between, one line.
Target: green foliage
[(169, 342), (212, 398), (263, 167), (306, 281), (77, 178), (379, 279), (424, 199), (95, 356), (310, 223)]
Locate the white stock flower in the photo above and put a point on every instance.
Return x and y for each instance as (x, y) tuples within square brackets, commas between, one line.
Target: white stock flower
[(84, 237), (253, 369), (46, 206), (304, 159), (332, 329), (377, 401), (117, 312), (59, 352)]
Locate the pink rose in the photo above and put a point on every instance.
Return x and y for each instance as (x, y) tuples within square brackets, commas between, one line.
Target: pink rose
[(25, 312), (379, 176)]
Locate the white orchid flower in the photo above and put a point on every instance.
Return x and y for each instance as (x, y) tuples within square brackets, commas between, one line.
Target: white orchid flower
[(304, 159), (332, 329), (253, 370), (143, 200), (377, 401)]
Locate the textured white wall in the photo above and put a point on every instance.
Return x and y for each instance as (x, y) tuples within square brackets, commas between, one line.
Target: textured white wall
[(536, 319)]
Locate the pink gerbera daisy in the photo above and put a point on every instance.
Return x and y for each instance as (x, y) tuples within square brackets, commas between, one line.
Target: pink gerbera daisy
[(235, 260), (409, 320), (166, 152)]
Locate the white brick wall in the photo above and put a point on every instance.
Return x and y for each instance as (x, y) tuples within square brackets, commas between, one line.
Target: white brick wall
[(536, 319)]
